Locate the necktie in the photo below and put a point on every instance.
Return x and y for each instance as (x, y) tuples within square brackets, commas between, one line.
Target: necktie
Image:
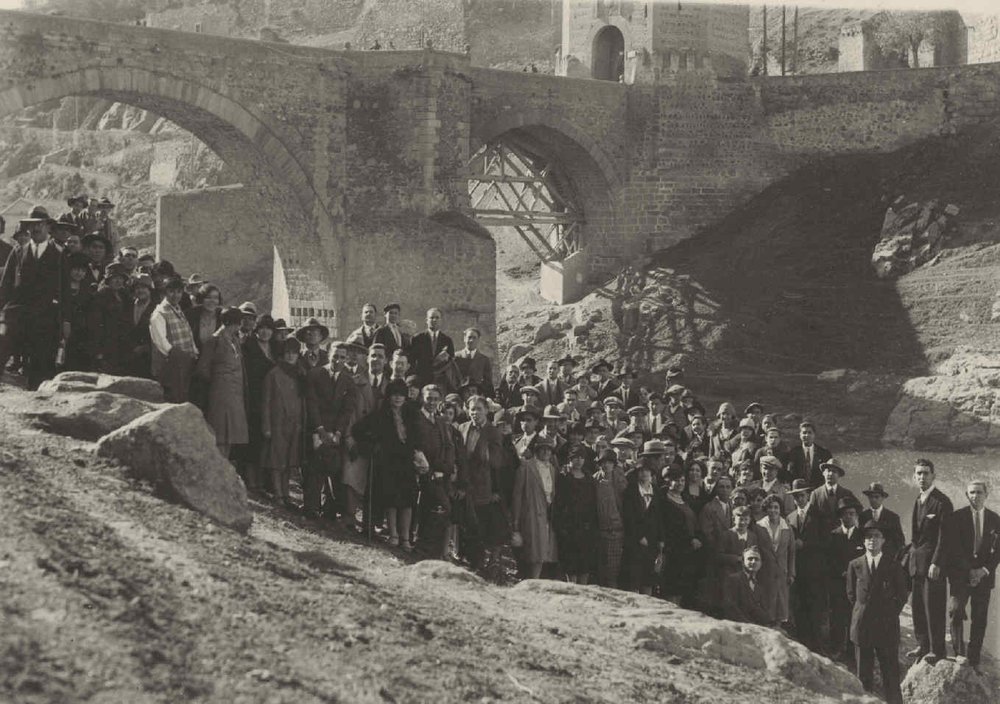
[(871, 565), (395, 334), (979, 531), (809, 458)]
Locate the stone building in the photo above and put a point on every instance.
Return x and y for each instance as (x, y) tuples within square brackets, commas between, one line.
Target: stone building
[(859, 51), (642, 42)]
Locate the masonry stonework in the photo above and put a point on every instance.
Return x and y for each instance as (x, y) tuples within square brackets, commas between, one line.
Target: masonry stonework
[(363, 156)]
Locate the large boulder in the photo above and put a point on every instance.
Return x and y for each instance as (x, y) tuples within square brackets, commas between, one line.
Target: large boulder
[(87, 416), (84, 382), (958, 408), (174, 449), (911, 235), (948, 682)]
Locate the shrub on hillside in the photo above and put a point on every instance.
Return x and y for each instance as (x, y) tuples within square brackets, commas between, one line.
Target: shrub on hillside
[(24, 159)]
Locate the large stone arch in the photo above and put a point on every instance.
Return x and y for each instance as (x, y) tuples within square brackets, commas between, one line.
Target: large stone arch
[(249, 144), (592, 176)]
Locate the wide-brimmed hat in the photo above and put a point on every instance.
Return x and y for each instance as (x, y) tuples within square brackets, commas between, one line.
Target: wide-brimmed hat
[(568, 359), (80, 200), (527, 411), (105, 204), (754, 404), (875, 488), (771, 461), (248, 308), (265, 321), (38, 214), (638, 411), (674, 372), (281, 326), (601, 364), (871, 525), (675, 390), (197, 280), (96, 237), (651, 448), (846, 503), (622, 441), (833, 464), (799, 486), (312, 324), (396, 387), (607, 456), (115, 269)]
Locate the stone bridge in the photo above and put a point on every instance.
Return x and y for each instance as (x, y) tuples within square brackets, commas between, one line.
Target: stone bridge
[(363, 157)]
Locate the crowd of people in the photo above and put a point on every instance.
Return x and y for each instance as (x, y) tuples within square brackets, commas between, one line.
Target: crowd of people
[(591, 477)]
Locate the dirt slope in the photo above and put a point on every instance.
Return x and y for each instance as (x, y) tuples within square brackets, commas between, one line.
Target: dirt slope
[(113, 596)]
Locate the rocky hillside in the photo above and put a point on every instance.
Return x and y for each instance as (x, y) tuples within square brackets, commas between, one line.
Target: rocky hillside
[(782, 291), (111, 594)]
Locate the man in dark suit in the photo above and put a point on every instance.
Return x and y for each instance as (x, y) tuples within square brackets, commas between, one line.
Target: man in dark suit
[(30, 296), (824, 499), (436, 440), (743, 594), (888, 522), (808, 592), (968, 556), (329, 405), (846, 544), (378, 375), (474, 366), (550, 390), (429, 348), (365, 335), (390, 336), (876, 590), (607, 385), (805, 459), (930, 510)]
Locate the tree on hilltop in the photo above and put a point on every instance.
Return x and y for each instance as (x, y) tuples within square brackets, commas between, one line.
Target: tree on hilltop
[(903, 32)]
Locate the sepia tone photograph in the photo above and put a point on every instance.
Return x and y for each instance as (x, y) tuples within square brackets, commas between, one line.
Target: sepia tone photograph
[(583, 351)]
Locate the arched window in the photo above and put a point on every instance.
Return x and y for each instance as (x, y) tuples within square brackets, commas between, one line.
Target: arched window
[(608, 55)]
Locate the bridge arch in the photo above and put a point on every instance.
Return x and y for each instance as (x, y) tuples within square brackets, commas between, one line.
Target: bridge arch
[(247, 142), (581, 174)]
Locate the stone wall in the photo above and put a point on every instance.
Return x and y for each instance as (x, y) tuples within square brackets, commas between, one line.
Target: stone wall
[(222, 233), (411, 24), (289, 19)]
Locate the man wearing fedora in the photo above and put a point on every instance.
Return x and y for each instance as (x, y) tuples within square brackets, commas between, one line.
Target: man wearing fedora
[(567, 371), (474, 366), (930, 591), (312, 335), (365, 335), (526, 419), (810, 566), (330, 401), (888, 522), (30, 300), (846, 544), (390, 335), (605, 384), (969, 555), (77, 205), (876, 590)]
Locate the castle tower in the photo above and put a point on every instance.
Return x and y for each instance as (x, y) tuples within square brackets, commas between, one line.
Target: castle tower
[(644, 42)]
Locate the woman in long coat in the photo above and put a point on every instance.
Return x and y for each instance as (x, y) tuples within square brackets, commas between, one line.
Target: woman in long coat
[(575, 520), (356, 465), (534, 494), (221, 364), (777, 550), (204, 317), (283, 420), (140, 345), (258, 360), (644, 540), (388, 436)]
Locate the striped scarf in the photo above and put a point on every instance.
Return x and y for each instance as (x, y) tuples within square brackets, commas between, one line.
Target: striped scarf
[(178, 330)]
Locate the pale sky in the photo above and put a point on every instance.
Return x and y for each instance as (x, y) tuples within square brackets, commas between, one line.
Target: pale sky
[(987, 6)]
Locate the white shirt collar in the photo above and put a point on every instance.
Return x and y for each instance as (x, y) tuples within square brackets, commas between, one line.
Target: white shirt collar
[(427, 415), (876, 512), (875, 559), (925, 494), (38, 249)]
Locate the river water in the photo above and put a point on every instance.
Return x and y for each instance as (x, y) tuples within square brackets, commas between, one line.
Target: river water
[(894, 468)]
